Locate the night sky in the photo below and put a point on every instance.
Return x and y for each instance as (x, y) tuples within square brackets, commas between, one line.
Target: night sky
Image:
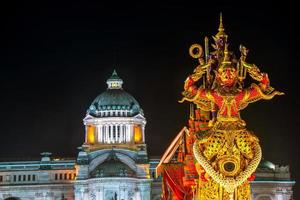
[(56, 57)]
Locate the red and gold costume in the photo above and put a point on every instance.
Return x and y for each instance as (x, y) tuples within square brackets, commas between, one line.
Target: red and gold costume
[(217, 145), (226, 153)]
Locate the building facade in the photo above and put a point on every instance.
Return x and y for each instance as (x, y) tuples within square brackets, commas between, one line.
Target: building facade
[(112, 163), (44, 179)]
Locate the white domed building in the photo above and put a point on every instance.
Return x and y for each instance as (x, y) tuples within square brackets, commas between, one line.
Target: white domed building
[(113, 161)]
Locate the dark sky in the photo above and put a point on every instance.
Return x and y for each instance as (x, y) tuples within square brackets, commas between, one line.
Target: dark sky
[(56, 57)]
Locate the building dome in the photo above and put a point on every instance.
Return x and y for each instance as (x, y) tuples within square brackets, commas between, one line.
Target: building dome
[(114, 101), (265, 164)]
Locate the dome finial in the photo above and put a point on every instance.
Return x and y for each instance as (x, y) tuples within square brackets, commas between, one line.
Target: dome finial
[(114, 73), (114, 82)]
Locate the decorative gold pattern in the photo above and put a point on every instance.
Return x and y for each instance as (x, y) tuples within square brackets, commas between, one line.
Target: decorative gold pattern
[(227, 153)]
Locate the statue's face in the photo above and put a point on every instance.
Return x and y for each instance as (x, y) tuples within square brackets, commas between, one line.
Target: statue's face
[(227, 76)]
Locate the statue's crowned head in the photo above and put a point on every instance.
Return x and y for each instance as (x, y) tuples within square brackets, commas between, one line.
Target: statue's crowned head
[(226, 72)]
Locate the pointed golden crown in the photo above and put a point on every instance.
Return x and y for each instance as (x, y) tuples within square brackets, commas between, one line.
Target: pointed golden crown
[(221, 29)]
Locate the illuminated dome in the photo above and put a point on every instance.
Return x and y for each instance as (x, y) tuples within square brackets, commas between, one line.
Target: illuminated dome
[(114, 102), (265, 164)]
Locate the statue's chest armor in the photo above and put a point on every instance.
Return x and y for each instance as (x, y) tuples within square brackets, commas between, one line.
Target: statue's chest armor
[(228, 107), (214, 144), (230, 143)]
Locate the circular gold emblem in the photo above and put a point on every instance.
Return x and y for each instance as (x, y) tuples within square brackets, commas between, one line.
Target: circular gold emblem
[(229, 166), (196, 51)]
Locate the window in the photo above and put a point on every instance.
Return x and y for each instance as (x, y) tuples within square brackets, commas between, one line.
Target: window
[(56, 176), (1, 178), (60, 176), (70, 176), (24, 177), (90, 134), (29, 177), (19, 178), (33, 177), (138, 135), (15, 178), (65, 176)]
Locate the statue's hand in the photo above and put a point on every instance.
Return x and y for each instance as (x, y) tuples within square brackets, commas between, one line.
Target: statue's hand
[(254, 72), (188, 83), (265, 79)]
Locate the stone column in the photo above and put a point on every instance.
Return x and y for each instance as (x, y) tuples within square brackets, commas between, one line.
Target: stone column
[(138, 195), (101, 193), (96, 133), (145, 189), (100, 133), (121, 133), (85, 138), (122, 192), (109, 133), (279, 195), (112, 133), (127, 133), (106, 133), (77, 194), (143, 131), (85, 194), (116, 132), (131, 139)]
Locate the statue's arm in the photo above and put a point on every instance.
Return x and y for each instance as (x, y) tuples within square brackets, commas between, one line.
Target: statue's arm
[(192, 89), (262, 91)]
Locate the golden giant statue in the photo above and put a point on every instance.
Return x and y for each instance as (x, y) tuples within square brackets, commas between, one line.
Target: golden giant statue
[(227, 154)]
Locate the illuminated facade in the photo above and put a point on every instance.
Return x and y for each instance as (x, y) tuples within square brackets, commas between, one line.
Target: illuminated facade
[(112, 164), (42, 179), (113, 161)]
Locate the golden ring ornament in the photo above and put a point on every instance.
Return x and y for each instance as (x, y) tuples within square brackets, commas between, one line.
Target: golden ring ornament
[(199, 51), (229, 166)]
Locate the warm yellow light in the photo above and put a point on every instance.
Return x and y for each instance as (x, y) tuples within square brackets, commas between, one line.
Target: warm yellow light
[(90, 134), (138, 134)]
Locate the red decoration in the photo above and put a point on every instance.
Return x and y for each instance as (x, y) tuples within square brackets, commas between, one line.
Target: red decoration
[(252, 177)]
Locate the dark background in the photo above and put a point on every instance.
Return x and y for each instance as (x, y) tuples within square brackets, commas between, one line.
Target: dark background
[(56, 57)]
